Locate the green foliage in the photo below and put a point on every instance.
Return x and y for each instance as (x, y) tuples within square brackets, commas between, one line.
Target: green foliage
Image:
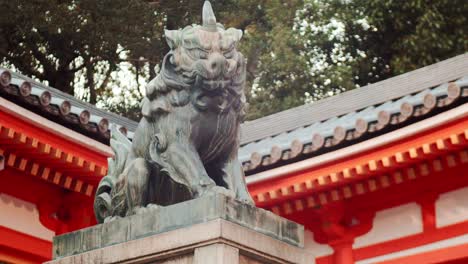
[(419, 33), (73, 44), (298, 51), (338, 45)]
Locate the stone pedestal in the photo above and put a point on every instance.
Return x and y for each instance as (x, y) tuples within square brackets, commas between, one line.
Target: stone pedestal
[(209, 230)]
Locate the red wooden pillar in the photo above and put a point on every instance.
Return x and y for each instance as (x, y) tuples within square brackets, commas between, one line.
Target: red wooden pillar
[(343, 251), (2, 162), (66, 213), (428, 213), (338, 229)]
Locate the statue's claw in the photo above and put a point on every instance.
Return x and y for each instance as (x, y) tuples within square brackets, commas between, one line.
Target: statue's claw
[(145, 209), (221, 190), (111, 218), (246, 201)]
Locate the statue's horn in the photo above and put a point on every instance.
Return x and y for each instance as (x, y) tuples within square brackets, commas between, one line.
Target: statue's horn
[(208, 17)]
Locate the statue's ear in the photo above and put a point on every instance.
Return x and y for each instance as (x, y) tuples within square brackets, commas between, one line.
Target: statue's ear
[(238, 34), (172, 38)]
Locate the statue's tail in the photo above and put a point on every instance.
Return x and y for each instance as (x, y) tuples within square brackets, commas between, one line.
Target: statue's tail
[(121, 147)]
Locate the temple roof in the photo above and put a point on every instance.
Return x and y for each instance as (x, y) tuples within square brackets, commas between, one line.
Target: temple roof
[(63, 108), (290, 135), (355, 126)]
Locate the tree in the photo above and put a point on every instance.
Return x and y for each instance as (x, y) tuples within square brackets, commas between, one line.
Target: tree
[(55, 40), (79, 46), (298, 51), (275, 67), (347, 44)]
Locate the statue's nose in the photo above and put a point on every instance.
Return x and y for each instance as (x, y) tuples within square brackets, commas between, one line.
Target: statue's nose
[(216, 63)]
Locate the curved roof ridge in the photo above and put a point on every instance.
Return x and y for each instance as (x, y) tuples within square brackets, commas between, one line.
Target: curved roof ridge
[(112, 117), (357, 99)]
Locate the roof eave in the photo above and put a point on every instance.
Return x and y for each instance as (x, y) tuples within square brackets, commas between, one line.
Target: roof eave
[(439, 120)]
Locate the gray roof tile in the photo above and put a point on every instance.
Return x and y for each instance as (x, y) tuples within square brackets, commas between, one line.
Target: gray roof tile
[(327, 129)]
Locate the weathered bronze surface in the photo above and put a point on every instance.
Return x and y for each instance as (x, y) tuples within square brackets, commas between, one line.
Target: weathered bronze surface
[(187, 141)]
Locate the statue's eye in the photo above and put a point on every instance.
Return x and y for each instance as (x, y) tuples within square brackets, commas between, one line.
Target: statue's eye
[(229, 53), (198, 54)]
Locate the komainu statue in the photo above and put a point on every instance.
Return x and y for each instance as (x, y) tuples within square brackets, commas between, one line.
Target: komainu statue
[(186, 144)]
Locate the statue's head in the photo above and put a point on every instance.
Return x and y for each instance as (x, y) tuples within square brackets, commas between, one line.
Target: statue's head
[(206, 54)]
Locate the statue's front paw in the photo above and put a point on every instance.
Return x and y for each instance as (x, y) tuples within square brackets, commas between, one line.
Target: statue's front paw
[(223, 191), (111, 218), (246, 201), (145, 209)]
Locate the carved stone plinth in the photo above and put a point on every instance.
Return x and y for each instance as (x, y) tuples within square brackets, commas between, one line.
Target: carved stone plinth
[(212, 229)]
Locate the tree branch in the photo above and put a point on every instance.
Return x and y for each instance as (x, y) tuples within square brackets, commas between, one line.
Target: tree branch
[(106, 79)]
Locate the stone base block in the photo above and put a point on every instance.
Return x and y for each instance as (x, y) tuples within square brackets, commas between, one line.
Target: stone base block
[(209, 230)]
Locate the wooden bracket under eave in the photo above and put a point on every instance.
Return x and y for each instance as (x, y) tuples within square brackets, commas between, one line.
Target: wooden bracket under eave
[(2, 162)]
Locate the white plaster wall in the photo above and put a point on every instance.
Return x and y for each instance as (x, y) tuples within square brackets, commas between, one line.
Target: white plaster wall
[(317, 249), (452, 207), (391, 224), (441, 244), (22, 216)]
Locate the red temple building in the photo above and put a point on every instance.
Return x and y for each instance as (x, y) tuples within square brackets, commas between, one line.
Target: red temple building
[(376, 175)]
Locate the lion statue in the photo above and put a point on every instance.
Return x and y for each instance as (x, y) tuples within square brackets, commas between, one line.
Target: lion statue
[(186, 143)]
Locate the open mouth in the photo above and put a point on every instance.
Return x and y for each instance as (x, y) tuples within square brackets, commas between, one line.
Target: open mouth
[(215, 84)]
